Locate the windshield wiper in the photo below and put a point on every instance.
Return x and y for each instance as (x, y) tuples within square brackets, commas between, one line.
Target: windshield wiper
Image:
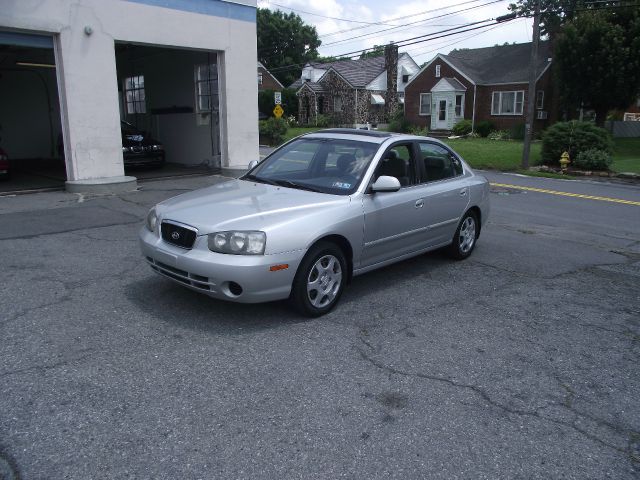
[(289, 183), (253, 178)]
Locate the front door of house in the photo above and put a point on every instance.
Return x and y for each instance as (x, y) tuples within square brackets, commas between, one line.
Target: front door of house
[(441, 114)]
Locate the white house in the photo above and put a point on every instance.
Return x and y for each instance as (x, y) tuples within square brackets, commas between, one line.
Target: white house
[(183, 70)]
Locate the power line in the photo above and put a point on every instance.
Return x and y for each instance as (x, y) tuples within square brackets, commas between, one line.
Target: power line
[(346, 56), (405, 16), (411, 23), (336, 18)]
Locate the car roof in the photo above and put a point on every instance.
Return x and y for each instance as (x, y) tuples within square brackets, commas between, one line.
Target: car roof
[(373, 136)]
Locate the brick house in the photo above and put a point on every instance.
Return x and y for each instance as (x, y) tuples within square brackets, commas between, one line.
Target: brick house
[(266, 81), (354, 92), (481, 84)]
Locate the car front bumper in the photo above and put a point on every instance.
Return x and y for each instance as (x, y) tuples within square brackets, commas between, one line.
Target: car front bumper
[(212, 273)]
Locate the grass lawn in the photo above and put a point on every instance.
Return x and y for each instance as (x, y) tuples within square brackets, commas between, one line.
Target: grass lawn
[(626, 155), (295, 131), (503, 155)]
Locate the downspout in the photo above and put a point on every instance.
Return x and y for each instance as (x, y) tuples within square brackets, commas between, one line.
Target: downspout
[(473, 114)]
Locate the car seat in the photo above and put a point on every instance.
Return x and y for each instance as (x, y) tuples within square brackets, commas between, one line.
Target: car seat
[(394, 166)]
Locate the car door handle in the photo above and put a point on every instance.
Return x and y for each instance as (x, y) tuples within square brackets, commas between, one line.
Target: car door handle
[(463, 192), (419, 203)]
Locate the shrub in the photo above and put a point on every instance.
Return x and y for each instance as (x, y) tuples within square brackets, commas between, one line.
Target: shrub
[(463, 127), (573, 137), (323, 121), (398, 123), (419, 131), (593, 159), (499, 135), (273, 129), (484, 128), (517, 131)]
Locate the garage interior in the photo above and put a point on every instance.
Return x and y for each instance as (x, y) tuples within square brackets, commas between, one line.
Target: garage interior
[(30, 129), (172, 95), (166, 94)]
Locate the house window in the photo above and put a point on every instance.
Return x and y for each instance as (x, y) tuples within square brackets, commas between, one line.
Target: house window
[(206, 78), (437, 71), (459, 110), (320, 105), (405, 78), (259, 78), (540, 99), (507, 103), (425, 104), (337, 104), (134, 94)]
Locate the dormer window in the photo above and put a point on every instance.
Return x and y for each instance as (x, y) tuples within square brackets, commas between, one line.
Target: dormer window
[(437, 71)]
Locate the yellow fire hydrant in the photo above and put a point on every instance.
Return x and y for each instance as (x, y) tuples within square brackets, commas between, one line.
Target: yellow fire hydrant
[(564, 161)]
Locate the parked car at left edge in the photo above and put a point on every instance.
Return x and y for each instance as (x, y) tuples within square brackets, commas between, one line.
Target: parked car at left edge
[(4, 165), (139, 148)]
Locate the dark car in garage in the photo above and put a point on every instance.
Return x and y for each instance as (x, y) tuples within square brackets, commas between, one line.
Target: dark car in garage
[(139, 148)]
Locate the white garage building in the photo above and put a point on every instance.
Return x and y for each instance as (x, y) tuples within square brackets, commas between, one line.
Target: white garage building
[(183, 70)]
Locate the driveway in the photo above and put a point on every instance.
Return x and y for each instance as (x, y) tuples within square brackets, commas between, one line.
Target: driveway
[(521, 362)]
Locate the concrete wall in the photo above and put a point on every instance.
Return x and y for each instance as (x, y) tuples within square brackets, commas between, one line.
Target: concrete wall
[(85, 32)]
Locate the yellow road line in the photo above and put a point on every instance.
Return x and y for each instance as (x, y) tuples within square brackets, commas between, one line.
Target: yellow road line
[(566, 194)]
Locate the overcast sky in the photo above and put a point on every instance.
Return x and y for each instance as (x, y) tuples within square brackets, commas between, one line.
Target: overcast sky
[(420, 13)]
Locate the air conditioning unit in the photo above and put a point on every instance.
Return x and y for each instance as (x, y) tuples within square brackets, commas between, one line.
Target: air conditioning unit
[(541, 115)]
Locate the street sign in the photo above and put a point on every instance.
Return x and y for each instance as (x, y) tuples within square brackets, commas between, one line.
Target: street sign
[(278, 111), (277, 97)]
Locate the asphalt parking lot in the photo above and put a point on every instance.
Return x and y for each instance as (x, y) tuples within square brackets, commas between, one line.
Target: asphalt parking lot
[(520, 362)]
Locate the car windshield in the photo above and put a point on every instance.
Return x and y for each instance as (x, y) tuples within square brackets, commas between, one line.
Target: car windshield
[(317, 164)]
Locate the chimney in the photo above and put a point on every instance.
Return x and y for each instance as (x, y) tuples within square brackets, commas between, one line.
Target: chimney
[(391, 65)]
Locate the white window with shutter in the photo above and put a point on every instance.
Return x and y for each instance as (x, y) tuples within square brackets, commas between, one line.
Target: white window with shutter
[(540, 99), (437, 71)]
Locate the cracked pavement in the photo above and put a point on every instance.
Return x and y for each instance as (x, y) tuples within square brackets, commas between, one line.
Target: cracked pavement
[(520, 362)]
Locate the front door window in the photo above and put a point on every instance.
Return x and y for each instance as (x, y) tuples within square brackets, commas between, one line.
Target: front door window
[(442, 110)]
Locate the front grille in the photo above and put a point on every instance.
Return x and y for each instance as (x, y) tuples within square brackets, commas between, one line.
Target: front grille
[(182, 236), (182, 276)]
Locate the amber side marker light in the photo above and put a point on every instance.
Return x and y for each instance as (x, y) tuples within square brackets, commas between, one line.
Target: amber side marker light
[(275, 268)]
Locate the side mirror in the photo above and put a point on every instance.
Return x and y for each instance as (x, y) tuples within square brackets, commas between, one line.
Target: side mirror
[(252, 164), (385, 183)]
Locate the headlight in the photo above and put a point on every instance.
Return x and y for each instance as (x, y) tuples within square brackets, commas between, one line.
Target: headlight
[(238, 243), (157, 147), (125, 149), (152, 220)]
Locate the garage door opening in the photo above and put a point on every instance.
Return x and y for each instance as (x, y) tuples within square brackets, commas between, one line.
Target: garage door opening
[(30, 127), (169, 110)]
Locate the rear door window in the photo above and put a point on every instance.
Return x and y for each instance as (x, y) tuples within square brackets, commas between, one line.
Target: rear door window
[(438, 162)]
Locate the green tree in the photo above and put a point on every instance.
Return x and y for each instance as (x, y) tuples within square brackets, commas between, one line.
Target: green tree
[(285, 43), (597, 60), (376, 51), (553, 13)]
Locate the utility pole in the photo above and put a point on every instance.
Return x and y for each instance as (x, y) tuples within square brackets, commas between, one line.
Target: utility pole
[(528, 130)]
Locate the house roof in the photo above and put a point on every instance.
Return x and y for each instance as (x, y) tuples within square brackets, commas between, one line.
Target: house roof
[(260, 65), (359, 73), (499, 64)]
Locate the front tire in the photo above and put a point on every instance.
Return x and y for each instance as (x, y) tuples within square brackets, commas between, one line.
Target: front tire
[(320, 280), (464, 240)]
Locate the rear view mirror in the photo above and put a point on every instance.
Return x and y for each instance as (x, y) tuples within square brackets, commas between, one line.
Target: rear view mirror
[(385, 183), (252, 164)]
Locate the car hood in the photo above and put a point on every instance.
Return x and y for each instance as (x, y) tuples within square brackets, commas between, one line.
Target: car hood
[(246, 205)]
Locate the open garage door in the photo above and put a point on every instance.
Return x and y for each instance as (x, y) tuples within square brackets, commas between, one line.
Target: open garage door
[(30, 128), (169, 110)]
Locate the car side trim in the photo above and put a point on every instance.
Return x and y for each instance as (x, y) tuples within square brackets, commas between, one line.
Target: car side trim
[(410, 232)]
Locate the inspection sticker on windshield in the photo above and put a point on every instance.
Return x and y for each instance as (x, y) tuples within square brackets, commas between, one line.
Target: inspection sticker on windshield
[(341, 185)]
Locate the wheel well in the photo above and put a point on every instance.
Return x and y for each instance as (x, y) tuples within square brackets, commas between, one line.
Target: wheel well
[(345, 246), (476, 210)]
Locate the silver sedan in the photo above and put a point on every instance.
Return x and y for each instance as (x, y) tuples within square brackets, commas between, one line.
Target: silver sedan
[(321, 209)]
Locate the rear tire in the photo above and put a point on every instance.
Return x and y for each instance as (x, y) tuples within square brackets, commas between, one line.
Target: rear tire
[(464, 240), (320, 280)]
